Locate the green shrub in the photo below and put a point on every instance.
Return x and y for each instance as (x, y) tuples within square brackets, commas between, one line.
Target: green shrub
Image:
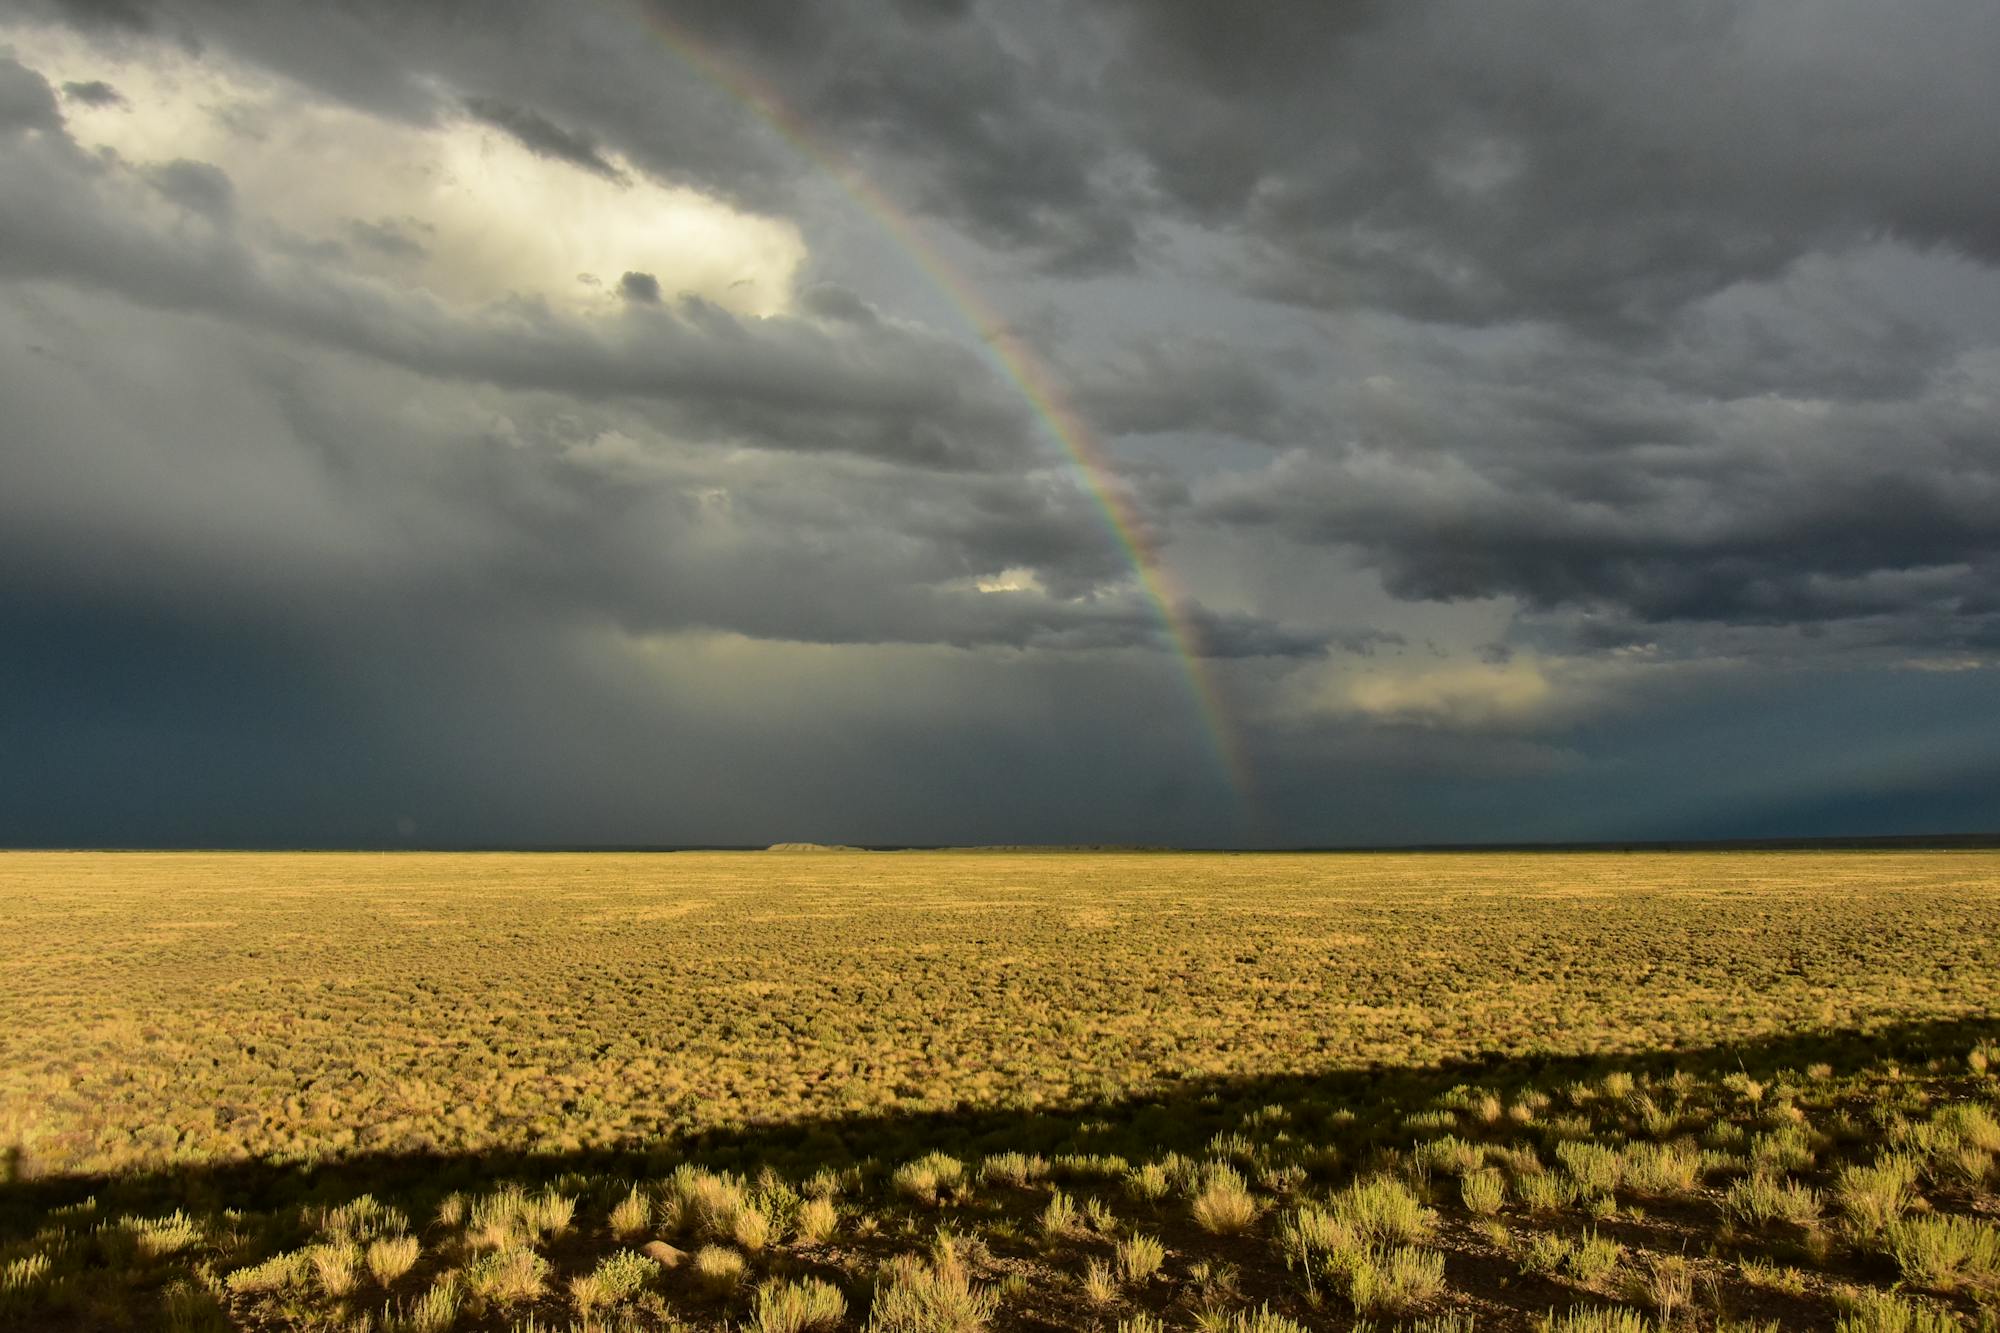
[(1483, 1191), (1942, 1251)]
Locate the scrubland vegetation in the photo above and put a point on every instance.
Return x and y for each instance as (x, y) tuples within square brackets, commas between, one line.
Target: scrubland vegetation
[(929, 1093)]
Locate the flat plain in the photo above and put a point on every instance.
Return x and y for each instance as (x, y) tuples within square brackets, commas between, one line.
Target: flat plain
[(953, 1091)]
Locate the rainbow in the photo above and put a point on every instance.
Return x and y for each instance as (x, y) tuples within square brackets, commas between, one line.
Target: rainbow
[(1013, 357)]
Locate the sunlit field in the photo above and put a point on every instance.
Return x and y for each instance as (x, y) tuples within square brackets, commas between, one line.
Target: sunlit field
[(900, 1091)]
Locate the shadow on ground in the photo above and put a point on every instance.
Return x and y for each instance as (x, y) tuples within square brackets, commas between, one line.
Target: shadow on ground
[(1183, 1118)]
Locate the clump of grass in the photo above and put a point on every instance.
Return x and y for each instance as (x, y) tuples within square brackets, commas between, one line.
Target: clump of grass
[(1662, 1169), (912, 1296), (1871, 1197), (390, 1257), (451, 1211), (1760, 1273), (158, 1237), (1866, 1310), (1593, 1259), (1100, 1284), (1483, 1191), (631, 1215), (1758, 1200), (704, 1203), (719, 1269), (1139, 1257), (815, 1222), (1225, 1206), (1544, 1253), (1783, 1149), (1544, 1192), (1598, 1319), (548, 1213), (617, 1277), (1384, 1211), (1594, 1167), (1148, 1182), (508, 1277), (1013, 1168), (1308, 1236), (1666, 1284), (752, 1229), (1097, 1213), (1059, 1217), (281, 1272), (334, 1267), (1259, 1320), (1450, 1156), (361, 1220), (1944, 1251), (191, 1309), (433, 1312), (808, 1306), (929, 1176), (1394, 1280)]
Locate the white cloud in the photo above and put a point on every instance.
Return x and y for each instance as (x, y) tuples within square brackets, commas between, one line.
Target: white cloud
[(458, 207)]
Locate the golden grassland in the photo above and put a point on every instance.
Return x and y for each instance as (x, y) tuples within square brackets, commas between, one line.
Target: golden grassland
[(920, 1092)]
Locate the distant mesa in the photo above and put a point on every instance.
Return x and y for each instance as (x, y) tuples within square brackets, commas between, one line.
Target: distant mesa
[(811, 847)]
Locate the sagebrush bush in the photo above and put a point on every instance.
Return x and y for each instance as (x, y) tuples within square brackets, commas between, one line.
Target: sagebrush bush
[(1945, 1251), (1758, 1200), (1483, 1192), (1871, 1197), (1594, 1167), (1865, 1310), (1661, 1169), (1383, 1211)]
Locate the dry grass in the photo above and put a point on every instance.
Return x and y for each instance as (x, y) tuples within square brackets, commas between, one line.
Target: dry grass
[(1143, 1092)]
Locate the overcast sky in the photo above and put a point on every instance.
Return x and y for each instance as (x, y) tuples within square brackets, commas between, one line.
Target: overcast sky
[(496, 422)]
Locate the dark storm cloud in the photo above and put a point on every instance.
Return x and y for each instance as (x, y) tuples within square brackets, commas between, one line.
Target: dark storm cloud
[(1596, 164), (1161, 386), (641, 287), (96, 92), (1628, 344), (542, 135), (26, 101)]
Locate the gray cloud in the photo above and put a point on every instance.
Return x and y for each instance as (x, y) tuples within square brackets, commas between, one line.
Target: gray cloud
[(542, 135), (94, 92), (1657, 347)]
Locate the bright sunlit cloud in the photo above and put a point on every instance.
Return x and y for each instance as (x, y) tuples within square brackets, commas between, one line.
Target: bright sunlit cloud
[(459, 207)]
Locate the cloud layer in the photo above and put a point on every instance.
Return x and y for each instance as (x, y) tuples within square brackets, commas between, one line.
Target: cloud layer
[(532, 423)]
